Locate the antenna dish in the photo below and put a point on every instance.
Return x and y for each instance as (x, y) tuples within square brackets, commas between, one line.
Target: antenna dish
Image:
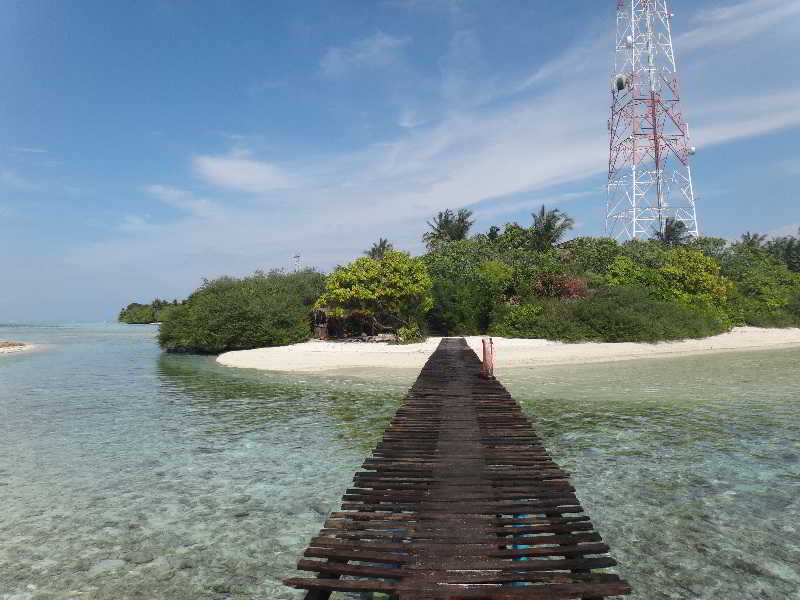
[(620, 82), (692, 150), (629, 41)]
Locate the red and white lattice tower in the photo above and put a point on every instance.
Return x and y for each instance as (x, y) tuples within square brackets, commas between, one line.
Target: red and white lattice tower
[(649, 178)]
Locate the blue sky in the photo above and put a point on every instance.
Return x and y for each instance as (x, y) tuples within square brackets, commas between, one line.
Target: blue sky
[(146, 145)]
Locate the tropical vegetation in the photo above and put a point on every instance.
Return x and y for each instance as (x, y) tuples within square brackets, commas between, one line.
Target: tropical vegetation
[(520, 280), (264, 309), (140, 314)]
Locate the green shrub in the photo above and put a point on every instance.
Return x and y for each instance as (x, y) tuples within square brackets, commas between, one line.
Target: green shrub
[(710, 246), (547, 319), (685, 276), (396, 289), (410, 335), (467, 281), (237, 314), (618, 314), (633, 315), (455, 308), (137, 314), (648, 253), (593, 255), (764, 289)]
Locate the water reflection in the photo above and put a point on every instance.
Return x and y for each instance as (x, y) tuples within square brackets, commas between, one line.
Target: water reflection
[(222, 402)]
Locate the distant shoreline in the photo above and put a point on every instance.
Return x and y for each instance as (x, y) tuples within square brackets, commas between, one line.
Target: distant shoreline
[(320, 356), (15, 347)]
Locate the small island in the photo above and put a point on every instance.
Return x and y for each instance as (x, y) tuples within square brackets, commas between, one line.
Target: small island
[(523, 284), (145, 314)]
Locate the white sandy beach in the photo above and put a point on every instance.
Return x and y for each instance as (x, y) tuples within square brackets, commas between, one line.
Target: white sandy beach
[(319, 356), (15, 349)]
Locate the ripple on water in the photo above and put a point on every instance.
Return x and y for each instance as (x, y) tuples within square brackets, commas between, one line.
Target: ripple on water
[(135, 475), (690, 474)]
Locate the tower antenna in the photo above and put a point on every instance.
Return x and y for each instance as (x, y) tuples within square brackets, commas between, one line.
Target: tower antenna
[(649, 177)]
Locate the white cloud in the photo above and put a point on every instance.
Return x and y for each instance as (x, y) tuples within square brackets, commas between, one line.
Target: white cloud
[(28, 150), (376, 51), (745, 117), (490, 209), (184, 200), (731, 24), (243, 174), (588, 58), (549, 129)]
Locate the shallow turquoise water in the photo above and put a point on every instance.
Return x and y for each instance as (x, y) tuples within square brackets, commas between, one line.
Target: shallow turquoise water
[(125, 473), (689, 466)]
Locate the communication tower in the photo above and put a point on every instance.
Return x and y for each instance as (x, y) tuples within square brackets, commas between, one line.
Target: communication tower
[(649, 177)]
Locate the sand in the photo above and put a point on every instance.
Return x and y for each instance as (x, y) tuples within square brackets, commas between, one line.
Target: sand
[(14, 347), (319, 356)]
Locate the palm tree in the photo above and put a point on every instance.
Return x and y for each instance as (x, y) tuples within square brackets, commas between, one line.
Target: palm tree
[(674, 233), (549, 226), (448, 226), (379, 248), (754, 240)]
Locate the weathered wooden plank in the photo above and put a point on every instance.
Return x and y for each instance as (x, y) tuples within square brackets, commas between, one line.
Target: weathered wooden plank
[(461, 498)]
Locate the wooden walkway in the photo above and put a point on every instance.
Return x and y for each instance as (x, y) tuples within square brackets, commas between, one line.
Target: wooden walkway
[(459, 500)]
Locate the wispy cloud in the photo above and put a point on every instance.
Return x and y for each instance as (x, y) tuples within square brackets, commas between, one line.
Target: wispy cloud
[(25, 150), (376, 51), (726, 25), (497, 158), (135, 224), (490, 209), (745, 117), (184, 200), (11, 179), (237, 172)]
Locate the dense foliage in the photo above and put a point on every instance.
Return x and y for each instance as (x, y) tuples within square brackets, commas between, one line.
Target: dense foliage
[(139, 314), (395, 290), (265, 309), (448, 226), (613, 314), (515, 281), (523, 282)]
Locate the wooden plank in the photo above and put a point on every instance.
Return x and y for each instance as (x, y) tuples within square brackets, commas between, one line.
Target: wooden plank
[(537, 592), (462, 498)]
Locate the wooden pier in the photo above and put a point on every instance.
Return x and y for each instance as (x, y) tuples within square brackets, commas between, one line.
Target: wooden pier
[(459, 500)]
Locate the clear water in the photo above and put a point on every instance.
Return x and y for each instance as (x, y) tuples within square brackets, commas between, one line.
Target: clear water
[(125, 473)]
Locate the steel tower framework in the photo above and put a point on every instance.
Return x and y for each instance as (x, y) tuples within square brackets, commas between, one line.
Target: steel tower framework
[(649, 177)]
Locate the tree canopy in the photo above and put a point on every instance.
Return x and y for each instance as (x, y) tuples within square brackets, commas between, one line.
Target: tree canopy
[(549, 227), (448, 226), (379, 248), (396, 288), (265, 309), (674, 233), (512, 280)]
